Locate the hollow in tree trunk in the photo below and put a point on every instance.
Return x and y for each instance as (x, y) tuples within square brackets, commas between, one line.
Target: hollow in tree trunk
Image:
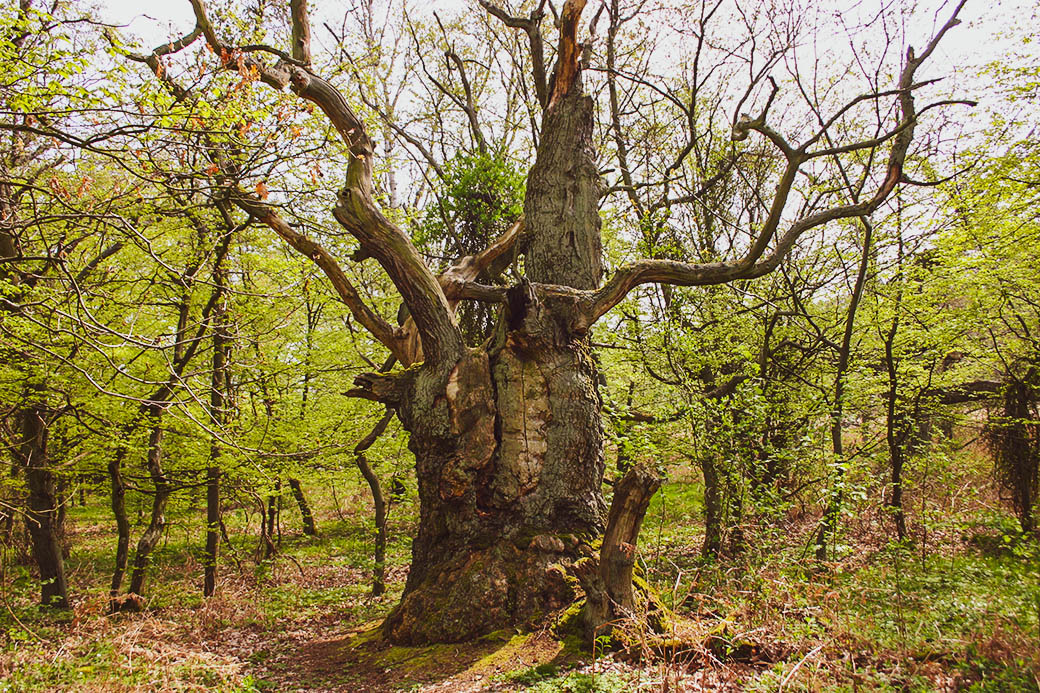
[(508, 437)]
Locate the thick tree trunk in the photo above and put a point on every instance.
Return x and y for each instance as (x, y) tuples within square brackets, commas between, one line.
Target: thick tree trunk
[(305, 509), (42, 517), (509, 443), (509, 463)]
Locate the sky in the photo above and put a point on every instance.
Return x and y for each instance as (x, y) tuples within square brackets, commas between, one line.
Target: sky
[(977, 39), (991, 30)]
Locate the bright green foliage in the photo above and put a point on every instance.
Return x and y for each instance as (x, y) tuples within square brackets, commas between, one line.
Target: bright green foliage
[(480, 195)]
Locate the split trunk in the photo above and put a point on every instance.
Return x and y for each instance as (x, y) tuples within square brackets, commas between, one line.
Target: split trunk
[(509, 442)]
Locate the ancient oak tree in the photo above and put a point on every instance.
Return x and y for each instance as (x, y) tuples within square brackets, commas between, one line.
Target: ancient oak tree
[(508, 437)]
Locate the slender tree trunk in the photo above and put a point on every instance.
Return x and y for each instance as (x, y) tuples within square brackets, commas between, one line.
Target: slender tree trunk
[(42, 518), (152, 410), (213, 474), (829, 525), (378, 572), (209, 584), (273, 506), (305, 509), (115, 474), (157, 519), (218, 404), (712, 546), (896, 433)]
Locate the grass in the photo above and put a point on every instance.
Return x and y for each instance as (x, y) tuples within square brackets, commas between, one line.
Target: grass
[(959, 610)]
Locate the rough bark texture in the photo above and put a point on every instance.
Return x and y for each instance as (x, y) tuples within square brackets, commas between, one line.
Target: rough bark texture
[(41, 517), (509, 443), (563, 191), (509, 462), (609, 597)]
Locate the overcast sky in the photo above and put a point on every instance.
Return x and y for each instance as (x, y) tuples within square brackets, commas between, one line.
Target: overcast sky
[(991, 30), (984, 20)]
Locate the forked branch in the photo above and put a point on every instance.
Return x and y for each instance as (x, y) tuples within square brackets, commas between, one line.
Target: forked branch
[(756, 262), (357, 210)]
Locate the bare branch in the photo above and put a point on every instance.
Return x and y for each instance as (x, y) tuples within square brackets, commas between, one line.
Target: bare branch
[(393, 339), (753, 264), (534, 36), (357, 210)]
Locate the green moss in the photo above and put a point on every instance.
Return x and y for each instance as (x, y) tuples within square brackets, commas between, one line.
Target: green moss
[(570, 621), (503, 653)]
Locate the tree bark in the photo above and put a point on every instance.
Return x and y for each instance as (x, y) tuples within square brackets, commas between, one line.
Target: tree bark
[(1014, 439), (305, 509), (270, 520), (157, 519), (118, 500), (42, 517), (508, 438), (829, 524), (609, 597), (712, 546), (509, 446), (378, 501), (896, 428), (218, 402)]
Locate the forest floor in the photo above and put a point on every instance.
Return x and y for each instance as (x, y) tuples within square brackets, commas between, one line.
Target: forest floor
[(958, 609)]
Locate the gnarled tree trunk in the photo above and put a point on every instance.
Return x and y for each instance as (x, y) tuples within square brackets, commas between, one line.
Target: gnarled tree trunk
[(609, 597), (509, 444), (508, 437)]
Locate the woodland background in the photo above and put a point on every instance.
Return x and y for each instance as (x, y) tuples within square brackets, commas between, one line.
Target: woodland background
[(882, 384)]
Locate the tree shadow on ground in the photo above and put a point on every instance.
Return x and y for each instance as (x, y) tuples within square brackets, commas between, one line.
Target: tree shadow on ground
[(364, 662)]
